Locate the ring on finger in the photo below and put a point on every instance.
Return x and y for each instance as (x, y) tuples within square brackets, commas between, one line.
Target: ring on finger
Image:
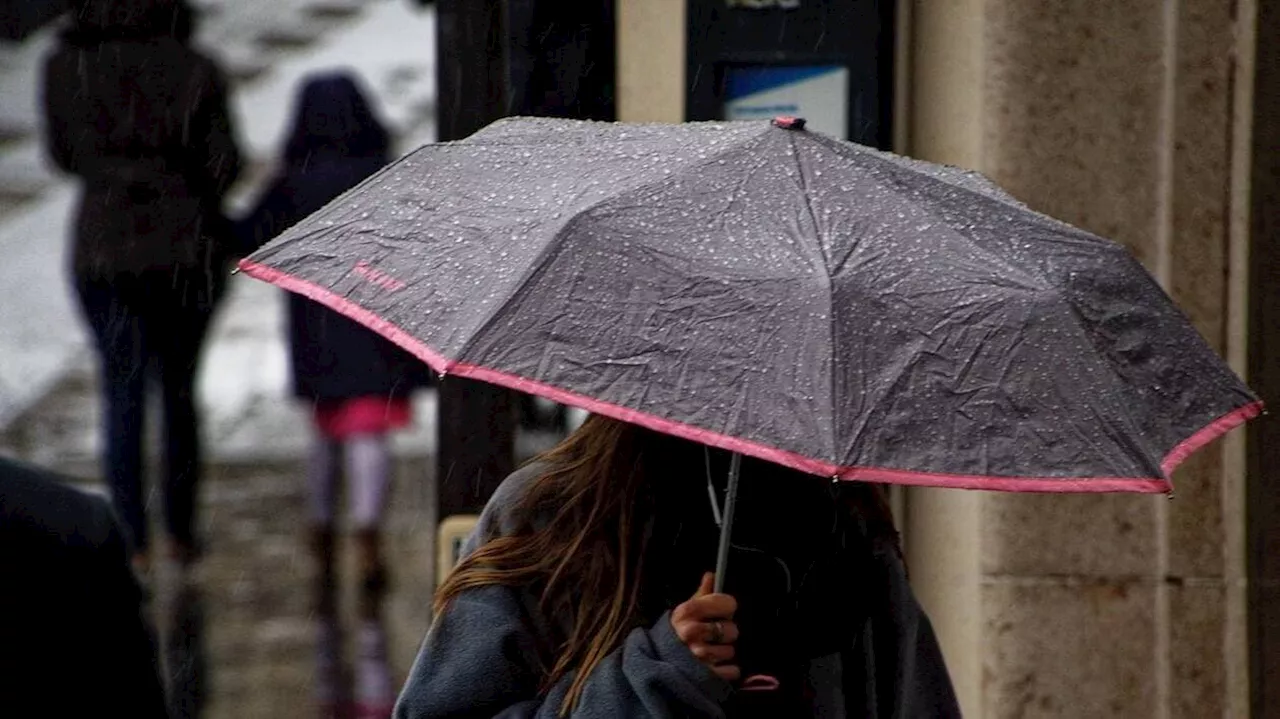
[(717, 633)]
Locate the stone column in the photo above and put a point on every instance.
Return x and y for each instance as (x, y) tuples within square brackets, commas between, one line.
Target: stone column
[(651, 60), (1118, 117), (943, 121)]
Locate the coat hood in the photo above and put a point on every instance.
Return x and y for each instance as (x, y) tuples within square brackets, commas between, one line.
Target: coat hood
[(334, 115)]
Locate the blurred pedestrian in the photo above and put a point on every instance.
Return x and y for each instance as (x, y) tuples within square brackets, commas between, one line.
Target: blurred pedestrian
[(141, 118), (74, 640), (357, 382)]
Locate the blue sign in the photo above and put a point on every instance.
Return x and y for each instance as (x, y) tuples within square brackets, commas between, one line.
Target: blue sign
[(818, 93)]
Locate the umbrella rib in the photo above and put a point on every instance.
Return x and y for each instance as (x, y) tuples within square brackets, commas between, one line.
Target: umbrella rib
[(552, 246), (1154, 454), (902, 163), (1034, 283), (830, 292), (1050, 224)]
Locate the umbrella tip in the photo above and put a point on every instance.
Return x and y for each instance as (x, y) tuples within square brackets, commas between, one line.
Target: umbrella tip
[(788, 122)]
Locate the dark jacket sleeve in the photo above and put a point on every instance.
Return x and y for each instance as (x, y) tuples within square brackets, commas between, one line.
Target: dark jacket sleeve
[(478, 661), (59, 143), (272, 214), (213, 137)]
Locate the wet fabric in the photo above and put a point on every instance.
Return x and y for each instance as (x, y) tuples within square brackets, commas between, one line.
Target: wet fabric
[(774, 291)]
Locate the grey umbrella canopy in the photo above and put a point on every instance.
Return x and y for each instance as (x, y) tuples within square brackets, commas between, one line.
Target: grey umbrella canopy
[(779, 293)]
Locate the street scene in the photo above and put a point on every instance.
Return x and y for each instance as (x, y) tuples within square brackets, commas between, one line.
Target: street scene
[(676, 358), (254, 639)]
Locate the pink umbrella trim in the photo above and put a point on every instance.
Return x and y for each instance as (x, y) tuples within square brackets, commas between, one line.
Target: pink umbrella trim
[(446, 366)]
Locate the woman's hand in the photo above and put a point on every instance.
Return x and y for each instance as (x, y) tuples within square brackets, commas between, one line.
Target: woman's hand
[(705, 625)]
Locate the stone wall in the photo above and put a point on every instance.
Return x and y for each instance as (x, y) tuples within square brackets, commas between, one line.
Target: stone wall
[(1122, 118)]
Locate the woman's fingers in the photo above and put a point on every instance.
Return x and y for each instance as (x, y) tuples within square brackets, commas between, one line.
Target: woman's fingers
[(712, 654), (719, 632), (706, 608), (705, 624), (713, 606), (707, 586), (696, 632), (728, 672), (705, 605)]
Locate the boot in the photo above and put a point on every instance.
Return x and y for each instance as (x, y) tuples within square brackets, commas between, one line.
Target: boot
[(184, 554), (373, 571), (332, 680)]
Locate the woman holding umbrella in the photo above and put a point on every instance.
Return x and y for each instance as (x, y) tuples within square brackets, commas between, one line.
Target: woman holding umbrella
[(754, 287), (586, 592)]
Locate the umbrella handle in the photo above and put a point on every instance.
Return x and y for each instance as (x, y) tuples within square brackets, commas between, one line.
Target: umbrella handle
[(726, 525)]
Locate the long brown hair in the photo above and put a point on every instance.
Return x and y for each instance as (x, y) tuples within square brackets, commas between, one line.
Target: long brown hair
[(580, 541), (585, 559)]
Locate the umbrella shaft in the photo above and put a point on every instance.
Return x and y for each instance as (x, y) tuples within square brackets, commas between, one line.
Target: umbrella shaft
[(726, 524)]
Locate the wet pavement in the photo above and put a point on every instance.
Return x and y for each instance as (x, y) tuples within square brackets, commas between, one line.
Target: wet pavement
[(243, 634), (257, 625)]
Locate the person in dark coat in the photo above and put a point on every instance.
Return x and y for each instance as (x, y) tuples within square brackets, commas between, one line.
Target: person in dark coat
[(586, 591), (141, 118), (357, 382), (74, 639)]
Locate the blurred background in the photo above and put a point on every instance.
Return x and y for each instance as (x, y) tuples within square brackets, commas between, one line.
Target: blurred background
[(1153, 122)]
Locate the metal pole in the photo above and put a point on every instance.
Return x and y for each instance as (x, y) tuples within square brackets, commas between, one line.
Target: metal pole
[(726, 526)]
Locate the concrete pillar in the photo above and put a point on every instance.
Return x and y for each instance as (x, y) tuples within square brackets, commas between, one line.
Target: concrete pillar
[(651, 60), (943, 119), (1236, 473), (1118, 117)]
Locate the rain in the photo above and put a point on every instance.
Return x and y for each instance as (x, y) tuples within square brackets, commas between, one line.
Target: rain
[(386, 354)]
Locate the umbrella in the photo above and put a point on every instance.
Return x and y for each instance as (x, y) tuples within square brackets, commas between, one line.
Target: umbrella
[(772, 291)]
